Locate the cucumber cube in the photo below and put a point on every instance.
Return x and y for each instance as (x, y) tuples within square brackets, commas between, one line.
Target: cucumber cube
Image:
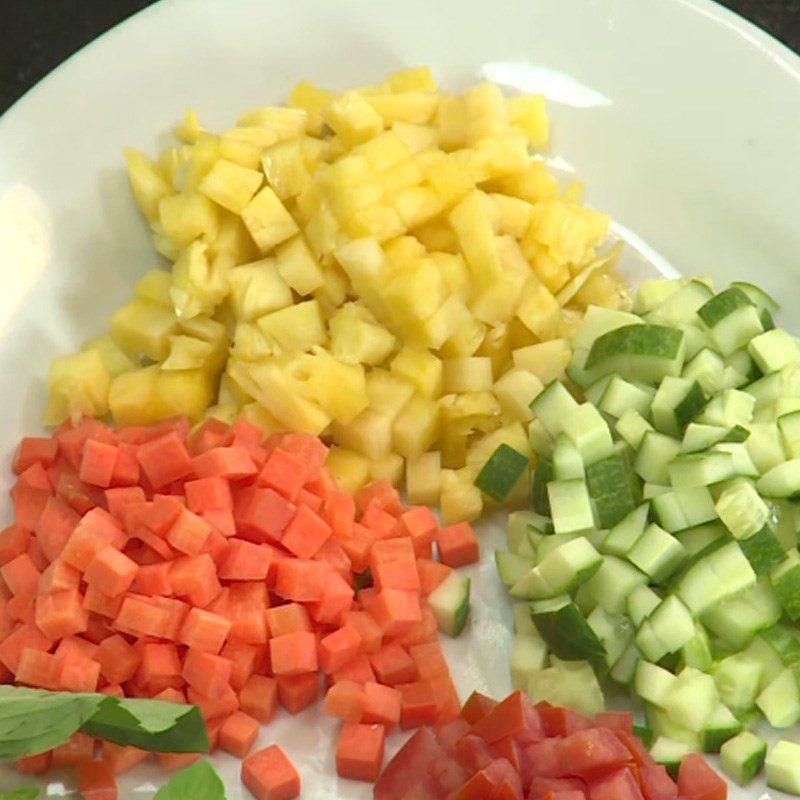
[(572, 684), (656, 451), (730, 407), (783, 767), (773, 350), (613, 630), (699, 537), (570, 565), (565, 630), (511, 567), (641, 603), (620, 395), (721, 726), (528, 656), (757, 295), (589, 432), (766, 657), (624, 535), (738, 678), (632, 427), (732, 319), (653, 684), (742, 510), (599, 320), (523, 621), (736, 620), (570, 506), (779, 702), (521, 523), (784, 642), (652, 292), (542, 476), (675, 405), (789, 426), (611, 490), (763, 551), (783, 480), (681, 308), (554, 407), (708, 369), (692, 699), (449, 602), (742, 757), (501, 472), (611, 585), (540, 441), (624, 671), (672, 624), (742, 463), (657, 553), (700, 436), (700, 469), (697, 651), (567, 460), (765, 446), (786, 582), (669, 753)]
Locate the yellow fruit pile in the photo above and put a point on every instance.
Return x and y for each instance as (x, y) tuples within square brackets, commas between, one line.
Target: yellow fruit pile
[(388, 267)]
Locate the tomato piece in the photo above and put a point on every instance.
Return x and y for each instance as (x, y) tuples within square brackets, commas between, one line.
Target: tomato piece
[(409, 768), (588, 753), (697, 781), (619, 785)]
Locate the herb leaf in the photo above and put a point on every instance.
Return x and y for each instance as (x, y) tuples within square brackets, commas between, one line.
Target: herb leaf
[(23, 793), (197, 782)]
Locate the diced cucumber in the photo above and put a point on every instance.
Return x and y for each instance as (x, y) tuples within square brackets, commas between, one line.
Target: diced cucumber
[(501, 472), (657, 553), (641, 603), (611, 490), (567, 460), (741, 509), (708, 369), (449, 602), (554, 406), (542, 475), (523, 621), (666, 630), (594, 393), (624, 671), (700, 469), (767, 658), (758, 296), (681, 308), (651, 490), (562, 570), (654, 291), (624, 535), (789, 427), (572, 684), (732, 320), (742, 757), (520, 523), (654, 455), (697, 651), (611, 585), (731, 565), (599, 320), (773, 350), (589, 432), (613, 630), (677, 402), (632, 427), (699, 436), (786, 582), (784, 642), (670, 753), (692, 699), (743, 465), (721, 726), (511, 567), (528, 656), (783, 767), (570, 506), (540, 440), (738, 679), (653, 684), (620, 395), (773, 386), (786, 523), (763, 551), (782, 480), (728, 408), (764, 446), (565, 630), (698, 538), (685, 508), (737, 620), (554, 541), (779, 702), (720, 574), (744, 366)]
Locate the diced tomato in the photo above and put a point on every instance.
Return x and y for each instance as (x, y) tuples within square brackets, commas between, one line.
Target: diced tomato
[(410, 766), (619, 785), (697, 781), (656, 784), (477, 707)]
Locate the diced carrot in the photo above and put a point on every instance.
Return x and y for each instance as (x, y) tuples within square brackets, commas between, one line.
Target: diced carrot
[(60, 614), (58, 575), (122, 757), (419, 706), (221, 519), (114, 689), (153, 579), (96, 529), (206, 494), (33, 449), (40, 560), (457, 545), (285, 473), (426, 630), (346, 700), (393, 665), (429, 660), (39, 669), (21, 576), (55, 526), (245, 659), (359, 751), (358, 547), (111, 571), (322, 484), (70, 645), (78, 748), (420, 525), (195, 578), (119, 498), (382, 524), (97, 463), (333, 554), (79, 673), (338, 648), (140, 618), (431, 574), (20, 608), (238, 733), (204, 630), (215, 545), (447, 700), (231, 463), (94, 600), (36, 764), (306, 533), (213, 727), (158, 662), (337, 598), (245, 561), (287, 618), (340, 511), (207, 673), (309, 499), (76, 494), (293, 653), (369, 630), (244, 604), (164, 460), (393, 565), (243, 432), (208, 435), (311, 450), (261, 514), (170, 762), (297, 691), (98, 629), (358, 670), (396, 610), (70, 442), (259, 697), (29, 502), (382, 704), (269, 775), (119, 660), (177, 612), (163, 512), (380, 494), (126, 469), (299, 580), (188, 533), (14, 541), (171, 695), (213, 708)]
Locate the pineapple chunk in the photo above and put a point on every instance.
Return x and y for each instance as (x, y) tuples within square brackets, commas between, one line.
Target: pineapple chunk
[(78, 385), (253, 135), (414, 293), (188, 216), (533, 184), (187, 392), (230, 185), (311, 98), (285, 123), (412, 79), (187, 352), (364, 262), (501, 156), (496, 346), (234, 239), (295, 328), (385, 151), (250, 344), (389, 468), (370, 434), (424, 479), (418, 205), (466, 339), (460, 499), (547, 361), (416, 427), (604, 288), (420, 368), (355, 340), (230, 393), (240, 152), (456, 275), (131, 395), (437, 235), (402, 176), (568, 230), (199, 286), (387, 393), (115, 360), (207, 329), (401, 250), (352, 118), (538, 310), (261, 418), (322, 231), (496, 304), (486, 113), (204, 153), (449, 178), (257, 289), (451, 121), (475, 234), (515, 214), (148, 183), (333, 291), (417, 108), (154, 286), (350, 469), (417, 138), (267, 220), (467, 374), (529, 113), (162, 243), (515, 390), (380, 220), (144, 327), (514, 435), (298, 267), (285, 167), (189, 130)]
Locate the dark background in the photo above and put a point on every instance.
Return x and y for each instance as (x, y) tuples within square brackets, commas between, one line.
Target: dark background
[(37, 35)]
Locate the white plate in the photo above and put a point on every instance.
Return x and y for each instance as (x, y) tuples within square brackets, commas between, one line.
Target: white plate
[(681, 118)]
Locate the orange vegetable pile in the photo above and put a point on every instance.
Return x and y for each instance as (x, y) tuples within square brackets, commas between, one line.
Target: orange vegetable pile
[(215, 568)]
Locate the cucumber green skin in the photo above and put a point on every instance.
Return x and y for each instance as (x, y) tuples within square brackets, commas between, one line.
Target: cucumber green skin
[(655, 341), (763, 551), (611, 489), (757, 295), (714, 738), (501, 472), (723, 304), (568, 634), (784, 641), (787, 586), (645, 734), (542, 475), (736, 435), (752, 765), (691, 405), (460, 617)]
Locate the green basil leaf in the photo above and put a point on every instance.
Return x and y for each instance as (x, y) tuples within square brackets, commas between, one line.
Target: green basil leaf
[(197, 782), (155, 716), (23, 793)]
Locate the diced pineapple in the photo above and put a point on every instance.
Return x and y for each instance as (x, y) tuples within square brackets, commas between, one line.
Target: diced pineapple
[(285, 167), (515, 214), (131, 394), (261, 418), (231, 393), (187, 216), (189, 130), (466, 339), (208, 329), (534, 183), (310, 98), (496, 346), (333, 291), (418, 108), (187, 352), (154, 286), (415, 293), (486, 113), (471, 411), (144, 327), (234, 239), (389, 468), (198, 285), (401, 250), (267, 220), (385, 151), (571, 319), (254, 135), (187, 392), (115, 360), (350, 469), (298, 268), (547, 361), (450, 180), (568, 230), (418, 205), (460, 499), (370, 433), (424, 479), (387, 392), (513, 434), (173, 163), (573, 192), (529, 113), (416, 427), (380, 221), (205, 151), (402, 176), (230, 185), (355, 340), (420, 368), (604, 288), (497, 303), (250, 344), (521, 336), (438, 238), (285, 123), (451, 121), (412, 79), (148, 183), (77, 384), (475, 233), (514, 263), (364, 262), (257, 289), (352, 118), (244, 153), (417, 138), (514, 391), (467, 374), (322, 231), (539, 310), (500, 156), (295, 328)]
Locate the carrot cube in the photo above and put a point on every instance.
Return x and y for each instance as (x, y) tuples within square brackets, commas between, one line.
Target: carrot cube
[(206, 494), (269, 775), (259, 697), (97, 463), (382, 704), (208, 435), (333, 554), (29, 502), (457, 545), (112, 571), (419, 705), (346, 700), (380, 494), (119, 498), (340, 511), (431, 574), (213, 708), (55, 526), (35, 477), (246, 660), (337, 598), (113, 689), (141, 618), (153, 579), (204, 630), (429, 660), (78, 748), (121, 757), (35, 449), (160, 663), (39, 669), (426, 630), (96, 529), (79, 673), (188, 533), (293, 653), (285, 473), (306, 533), (366, 627), (118, 660), (231, 463), (26, 635), (244, 605), (359, 751), (261, 514), (221, 519), (171, 695), (299, 580), (96, 601), (126, 469), (207, 673), (420, 525), (75, 645), (14, 541), (195, 578), (393, 665), (162, 513), (36, 764), (396, 610), (60, 614), (322, 484), (21, 609), (382, 524), (297, 691), (337, 648), (358, 670), (238, 733), (21, 576), (170, 762), (164, 460), (288, 618), (58, 575), (393, 565), (245, 561), (358, 547)]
